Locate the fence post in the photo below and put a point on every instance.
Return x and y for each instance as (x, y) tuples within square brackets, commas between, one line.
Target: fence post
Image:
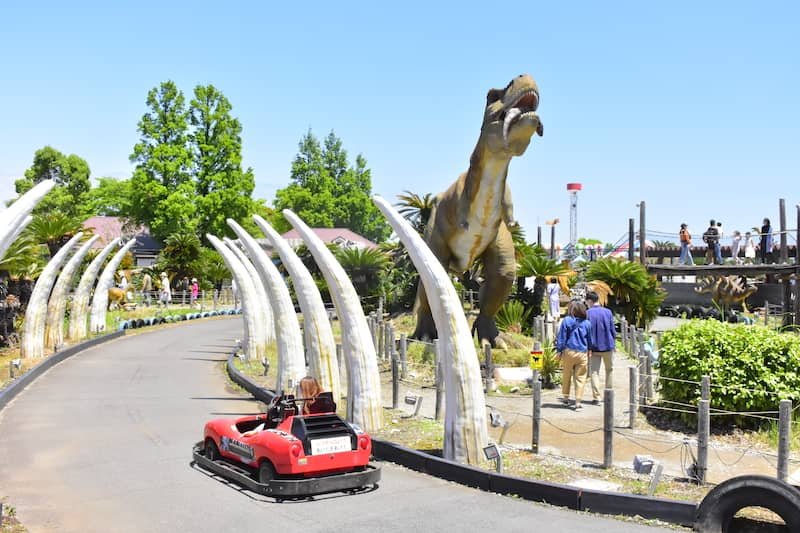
[(395, 382), (381, 338), (608, 427), (380, 309), (623, 331), (373, 330), (633, 378), (642, 378), (705, 387), (703, 431), (487, 352), (404, 354), (649, 392), (537, 412), (439, 382), (784, 432)]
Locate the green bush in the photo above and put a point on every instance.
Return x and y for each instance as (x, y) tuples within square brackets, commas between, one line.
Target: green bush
[(513, 317), (751, 368)]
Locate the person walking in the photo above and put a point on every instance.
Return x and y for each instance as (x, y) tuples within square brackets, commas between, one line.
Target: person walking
[(553, 292), (686, 243), (572, 343), (718, 244), (736, 242), (147, 287), (602, 346), (749, 249), (194, 290), (711, 238), (165, 296), (765, 246)]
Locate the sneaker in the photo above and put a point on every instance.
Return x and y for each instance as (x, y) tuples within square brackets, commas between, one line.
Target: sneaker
[(565, 401), (578, 407), (595, 402)]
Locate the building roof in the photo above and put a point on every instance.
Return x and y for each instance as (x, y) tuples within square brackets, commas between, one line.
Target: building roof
[(109, 228), (340, 236)]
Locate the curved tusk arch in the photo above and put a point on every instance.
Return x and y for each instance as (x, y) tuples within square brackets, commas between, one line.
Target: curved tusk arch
[(80, 301), (320, 343), (54, 324), (465, 432), (289, 340), (253, 340), (263, 303), (97, 318), (363, 380), (14, 219), (32, 345)]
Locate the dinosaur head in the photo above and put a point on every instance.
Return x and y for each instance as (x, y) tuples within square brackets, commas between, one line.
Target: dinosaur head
[(510, 119)]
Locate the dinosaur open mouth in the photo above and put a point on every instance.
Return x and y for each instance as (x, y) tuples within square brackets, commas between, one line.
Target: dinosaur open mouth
[(525, 104)]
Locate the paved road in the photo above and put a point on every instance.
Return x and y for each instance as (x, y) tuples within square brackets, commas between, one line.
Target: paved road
[(101, 443)]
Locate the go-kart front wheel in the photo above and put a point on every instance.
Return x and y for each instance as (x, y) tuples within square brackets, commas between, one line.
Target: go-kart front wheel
[(211, 451), (266, 472)]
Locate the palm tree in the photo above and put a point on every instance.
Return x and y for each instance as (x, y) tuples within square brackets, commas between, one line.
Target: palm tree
[(54, 229), (24, 258), (416, 209), (364, 266), (541, 267), (636, 293), (180, 254)]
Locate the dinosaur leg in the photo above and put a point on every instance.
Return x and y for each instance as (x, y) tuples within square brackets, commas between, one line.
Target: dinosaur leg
[(499, 269), (426, 327)]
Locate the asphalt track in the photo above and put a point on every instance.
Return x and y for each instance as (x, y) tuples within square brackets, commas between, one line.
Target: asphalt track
[(102, 443)]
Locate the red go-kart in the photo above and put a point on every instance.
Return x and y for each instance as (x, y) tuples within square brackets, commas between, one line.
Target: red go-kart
[(286, 454)]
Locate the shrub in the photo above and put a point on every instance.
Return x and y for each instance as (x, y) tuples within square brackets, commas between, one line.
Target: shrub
[(513, 317), (751, 367)]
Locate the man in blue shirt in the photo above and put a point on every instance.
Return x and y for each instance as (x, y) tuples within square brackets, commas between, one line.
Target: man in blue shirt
[(603, 344)]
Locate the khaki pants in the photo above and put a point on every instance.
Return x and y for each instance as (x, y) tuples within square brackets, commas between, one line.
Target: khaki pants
[(607, 358), (574, 365)]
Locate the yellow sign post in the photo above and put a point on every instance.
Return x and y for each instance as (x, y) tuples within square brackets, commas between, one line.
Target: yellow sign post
[(536, 360)]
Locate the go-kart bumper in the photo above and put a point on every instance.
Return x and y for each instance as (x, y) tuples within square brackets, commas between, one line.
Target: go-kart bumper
[(289, 488)]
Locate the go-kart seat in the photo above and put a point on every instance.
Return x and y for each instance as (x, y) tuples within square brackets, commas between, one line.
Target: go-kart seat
[(322, 404)]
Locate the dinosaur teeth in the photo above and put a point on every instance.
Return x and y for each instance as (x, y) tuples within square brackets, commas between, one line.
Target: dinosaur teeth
[(513, 113)]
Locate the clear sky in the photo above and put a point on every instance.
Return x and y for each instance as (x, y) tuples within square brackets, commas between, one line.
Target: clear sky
[(690, 106)]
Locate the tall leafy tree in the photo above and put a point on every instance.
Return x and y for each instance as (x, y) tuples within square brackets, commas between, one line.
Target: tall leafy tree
[(326, 191), (110, 197), (223, 189), (71, 174), (163, 194)]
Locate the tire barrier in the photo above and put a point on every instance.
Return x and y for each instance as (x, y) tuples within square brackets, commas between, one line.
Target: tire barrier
[(717, 510)]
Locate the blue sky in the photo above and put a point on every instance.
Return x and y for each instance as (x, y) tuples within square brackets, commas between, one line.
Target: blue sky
[(690, 106)]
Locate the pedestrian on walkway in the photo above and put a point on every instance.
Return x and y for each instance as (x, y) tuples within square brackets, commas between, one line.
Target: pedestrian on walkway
[(765, 247), (711, 238), (554, 298), (165, 296), (686, 244), (602, 346), (749, 249), (147, 287), (194, 289), (573, 342), (736, 243), (718, 245)]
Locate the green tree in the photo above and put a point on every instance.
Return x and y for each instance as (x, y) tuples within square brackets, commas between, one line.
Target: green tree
[(637, 294), (182, 255), (535, 263), (364, 267), (53, 229), (327, 192), (110, 197), (163, 195), (71, 174), (223, 189)]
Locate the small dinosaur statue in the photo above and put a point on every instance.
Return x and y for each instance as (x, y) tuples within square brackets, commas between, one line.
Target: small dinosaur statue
[(470, 219), (726, 290)]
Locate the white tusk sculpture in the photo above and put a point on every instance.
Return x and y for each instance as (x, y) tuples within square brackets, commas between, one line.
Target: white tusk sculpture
[(363, 379), (15, 217), (80, 300), (97, 318), (264, 305), (289, 340), (32, 345), (253, 340), (465, 432), (320, 343), (54, 326)]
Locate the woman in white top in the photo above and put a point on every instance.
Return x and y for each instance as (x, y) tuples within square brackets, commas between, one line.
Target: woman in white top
[(553, 292), (749, 249), (735, 245)]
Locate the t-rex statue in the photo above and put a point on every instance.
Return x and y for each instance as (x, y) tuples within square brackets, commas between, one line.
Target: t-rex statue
[(726, 290), (470, 219)]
